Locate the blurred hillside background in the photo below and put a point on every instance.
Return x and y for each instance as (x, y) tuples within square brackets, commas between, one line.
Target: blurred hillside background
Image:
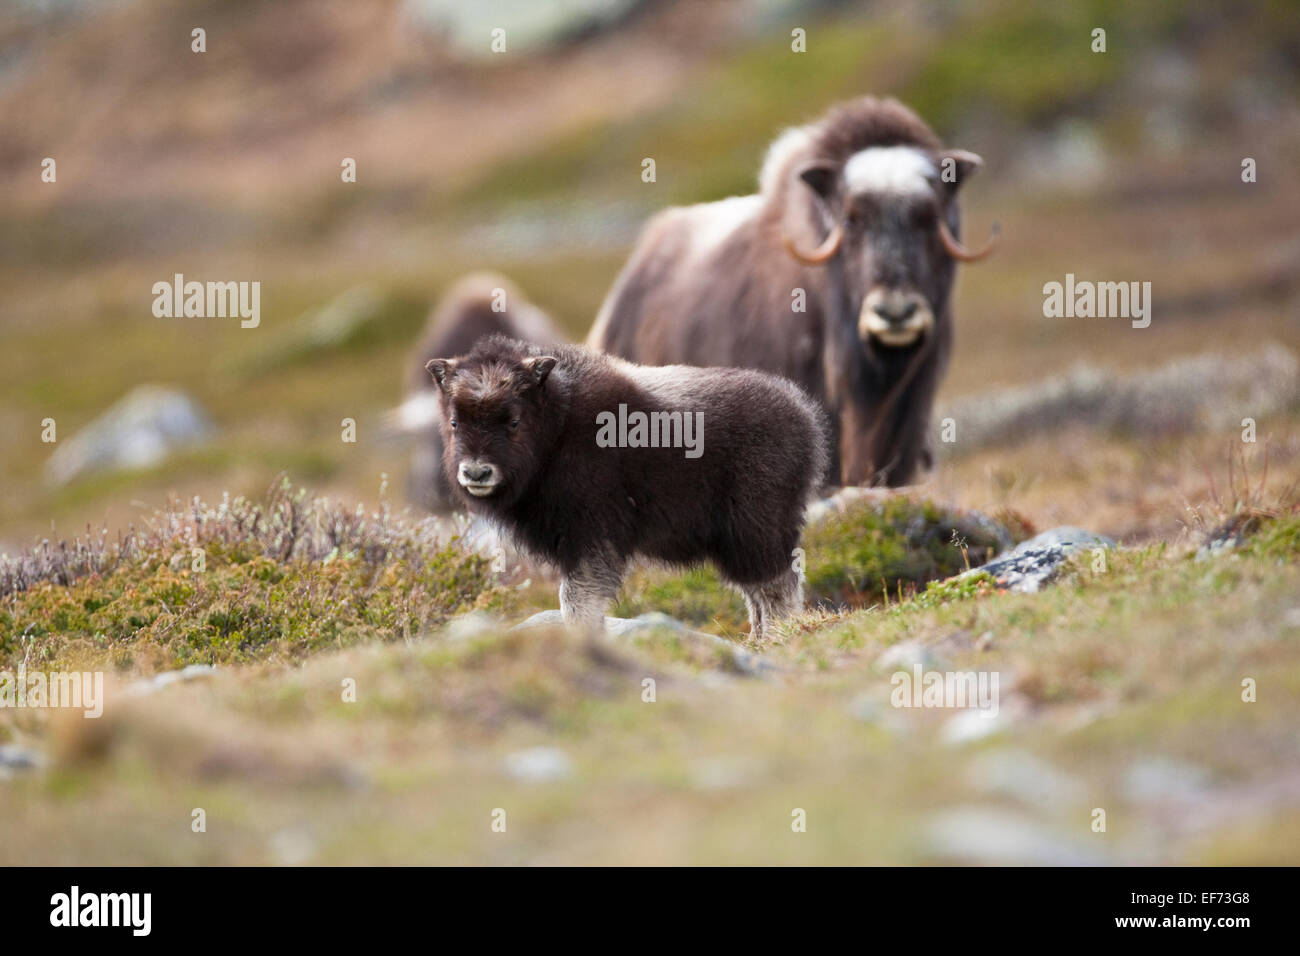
[(225, 165)]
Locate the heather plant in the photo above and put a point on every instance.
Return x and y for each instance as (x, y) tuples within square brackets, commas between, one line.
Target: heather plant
[(241, 580)]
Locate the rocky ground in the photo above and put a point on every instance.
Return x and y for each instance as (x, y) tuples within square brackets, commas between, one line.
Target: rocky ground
[(1152, 688)]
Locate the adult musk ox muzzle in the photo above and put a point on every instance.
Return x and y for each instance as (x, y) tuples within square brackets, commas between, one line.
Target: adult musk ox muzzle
[(895, 318)]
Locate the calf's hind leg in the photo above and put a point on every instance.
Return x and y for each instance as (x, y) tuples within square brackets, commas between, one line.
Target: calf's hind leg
[(588, 590), (772, 600)]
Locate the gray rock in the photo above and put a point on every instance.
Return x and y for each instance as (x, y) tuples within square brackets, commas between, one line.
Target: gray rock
[(539, 765), (905, 655), (292, 847), (1033, 563), (1019, 775), (15, 760), (156, 683), (1162, 780), (1228, 537), (972, 723), (652, 622), (140, 431)]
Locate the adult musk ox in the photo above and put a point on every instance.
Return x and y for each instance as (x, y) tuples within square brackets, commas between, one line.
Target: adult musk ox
[(481, 304), (590, 461), (836, 274)]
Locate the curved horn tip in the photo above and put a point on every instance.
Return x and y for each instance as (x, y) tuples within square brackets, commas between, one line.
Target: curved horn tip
[(822, 254), (954, 246)]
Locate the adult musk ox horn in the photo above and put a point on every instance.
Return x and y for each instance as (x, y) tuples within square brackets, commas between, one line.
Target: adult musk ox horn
[(959, 252), (822, 253)]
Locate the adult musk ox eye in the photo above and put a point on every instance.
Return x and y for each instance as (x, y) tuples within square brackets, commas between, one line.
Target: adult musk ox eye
[(514, 423)]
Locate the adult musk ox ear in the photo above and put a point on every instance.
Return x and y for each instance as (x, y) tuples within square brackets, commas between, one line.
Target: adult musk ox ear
[(536, 370), (441, 370), (956, 166), (819, 176)]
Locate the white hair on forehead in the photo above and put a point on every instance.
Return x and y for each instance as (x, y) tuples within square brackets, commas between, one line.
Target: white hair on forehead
[(903, 170)]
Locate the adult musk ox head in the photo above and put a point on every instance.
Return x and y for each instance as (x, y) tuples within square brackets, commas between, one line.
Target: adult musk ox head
[(494, 423), (887, 219)]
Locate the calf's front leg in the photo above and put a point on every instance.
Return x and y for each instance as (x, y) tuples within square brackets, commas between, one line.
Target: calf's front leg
[(588, 590)]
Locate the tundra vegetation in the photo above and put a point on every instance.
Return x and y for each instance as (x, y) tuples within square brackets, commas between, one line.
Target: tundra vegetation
[(1121, 688)]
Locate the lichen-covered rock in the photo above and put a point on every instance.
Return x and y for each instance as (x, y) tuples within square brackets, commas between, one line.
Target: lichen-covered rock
[(1033, 563)]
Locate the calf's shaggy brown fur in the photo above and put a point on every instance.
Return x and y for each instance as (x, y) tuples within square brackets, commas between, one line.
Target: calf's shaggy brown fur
[(522, 425)]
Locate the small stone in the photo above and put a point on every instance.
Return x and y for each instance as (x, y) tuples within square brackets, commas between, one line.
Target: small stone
[(15, 760), (292, 847), (971, 723), (907, 655), (150, 685), (1162, 780), (539, 765), (1020, 775)]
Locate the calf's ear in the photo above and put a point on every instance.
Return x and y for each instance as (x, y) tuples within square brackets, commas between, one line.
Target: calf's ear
[(441, 370), (537, 369), (956, 166)]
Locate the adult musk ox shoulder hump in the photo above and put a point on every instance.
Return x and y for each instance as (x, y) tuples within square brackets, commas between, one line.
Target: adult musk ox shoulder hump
[(836, 274), (590, 461)]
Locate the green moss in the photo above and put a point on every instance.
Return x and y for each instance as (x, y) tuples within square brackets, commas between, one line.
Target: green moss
[(892, 547), (1277, 538)]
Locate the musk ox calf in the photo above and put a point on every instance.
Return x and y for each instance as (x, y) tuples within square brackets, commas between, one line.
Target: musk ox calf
[(836, 274), (590, 461), (481, 304)]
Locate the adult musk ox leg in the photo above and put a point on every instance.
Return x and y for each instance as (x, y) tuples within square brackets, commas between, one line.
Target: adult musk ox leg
[(588, 590), (771, 601)]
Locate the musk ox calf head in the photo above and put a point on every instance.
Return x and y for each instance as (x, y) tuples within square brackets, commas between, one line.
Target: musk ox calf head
[(492, 418), (889, 218), (477, 306)]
